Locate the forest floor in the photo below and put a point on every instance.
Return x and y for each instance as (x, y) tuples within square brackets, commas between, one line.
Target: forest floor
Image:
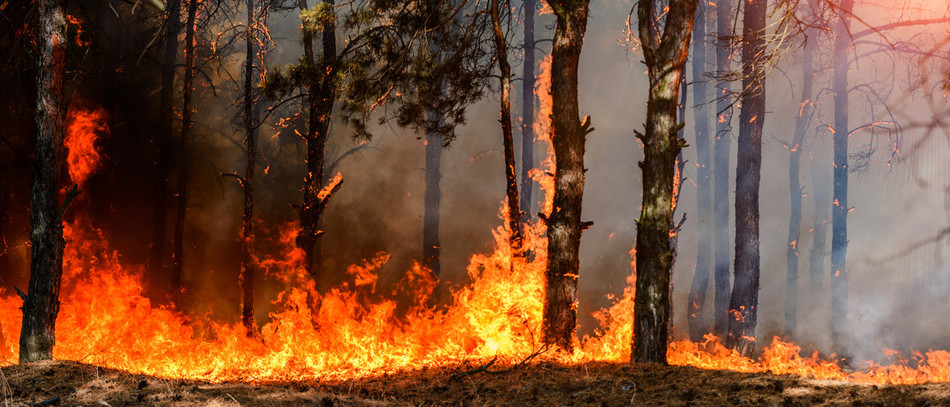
[(542, 384)]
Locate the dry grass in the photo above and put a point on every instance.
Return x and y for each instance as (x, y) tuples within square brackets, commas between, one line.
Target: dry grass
[(541, 384)]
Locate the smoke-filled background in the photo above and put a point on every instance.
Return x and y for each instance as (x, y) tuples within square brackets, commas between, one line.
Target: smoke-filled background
[(900, 195)]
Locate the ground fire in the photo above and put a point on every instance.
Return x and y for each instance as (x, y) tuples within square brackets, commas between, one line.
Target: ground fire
[(174, 216)]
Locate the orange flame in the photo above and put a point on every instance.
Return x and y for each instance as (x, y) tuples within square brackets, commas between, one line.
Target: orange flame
[(352, 330), (83, 129), (542, 127)]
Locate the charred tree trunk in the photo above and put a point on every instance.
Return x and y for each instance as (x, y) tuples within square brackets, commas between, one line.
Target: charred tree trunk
[(41, 304), (501, 50), (802, 123), (246, 278), (321, 96), (184, 175), (568, 136), (156, 264), (665, 55), (839, 209), (527, 110), (743, 306), (697, 291), (721, 167)]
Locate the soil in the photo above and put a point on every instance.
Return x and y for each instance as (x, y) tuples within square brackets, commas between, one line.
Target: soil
[(64, 383)]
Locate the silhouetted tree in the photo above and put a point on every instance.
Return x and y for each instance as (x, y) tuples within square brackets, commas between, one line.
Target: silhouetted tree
[(704, 260), (743, 305), (527, 109), (802, 124), (320, 98), (721, 167), (163, 142), (255, 18), (511, 178), (181, 203)]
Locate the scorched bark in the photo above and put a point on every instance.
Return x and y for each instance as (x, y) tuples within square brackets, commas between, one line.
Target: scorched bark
[(41, 303), (568, 135)]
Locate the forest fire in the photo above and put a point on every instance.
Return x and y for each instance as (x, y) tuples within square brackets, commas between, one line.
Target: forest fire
[(148, 225)]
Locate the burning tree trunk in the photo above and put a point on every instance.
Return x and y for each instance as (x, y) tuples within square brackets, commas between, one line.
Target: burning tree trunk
[(41, 304), (839, 209), (568, 135), (802, 123), (183, 174), (665, 55), (163, 146), (743, 306), (320, 99), (721, 168), (527, 110), (501, 53), (246, 278), (697, 292)]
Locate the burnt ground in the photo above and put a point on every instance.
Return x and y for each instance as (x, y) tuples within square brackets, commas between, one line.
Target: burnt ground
[(542, 384)]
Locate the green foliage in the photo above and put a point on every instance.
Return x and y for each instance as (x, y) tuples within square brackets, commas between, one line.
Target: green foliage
[(283, 81), (418, 64), (318, 17), (428, 61)]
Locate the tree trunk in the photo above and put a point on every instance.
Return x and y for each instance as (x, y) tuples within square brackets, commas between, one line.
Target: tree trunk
[(568, 135), (41, 304), (246, 278), (721, 167), (822, 200), (697, 291), (665, 55), (802, 124), (431, 247), (184, 174), (743, 306), (501, 53), (839, 209), (320, 100), (156, 264), (527, 111)]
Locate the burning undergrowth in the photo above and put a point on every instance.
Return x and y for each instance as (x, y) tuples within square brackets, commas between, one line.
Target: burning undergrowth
[(353, 330)]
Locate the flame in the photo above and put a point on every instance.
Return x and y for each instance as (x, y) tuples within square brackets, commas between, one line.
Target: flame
[(83, 129), (543, 174), (354, 330)]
